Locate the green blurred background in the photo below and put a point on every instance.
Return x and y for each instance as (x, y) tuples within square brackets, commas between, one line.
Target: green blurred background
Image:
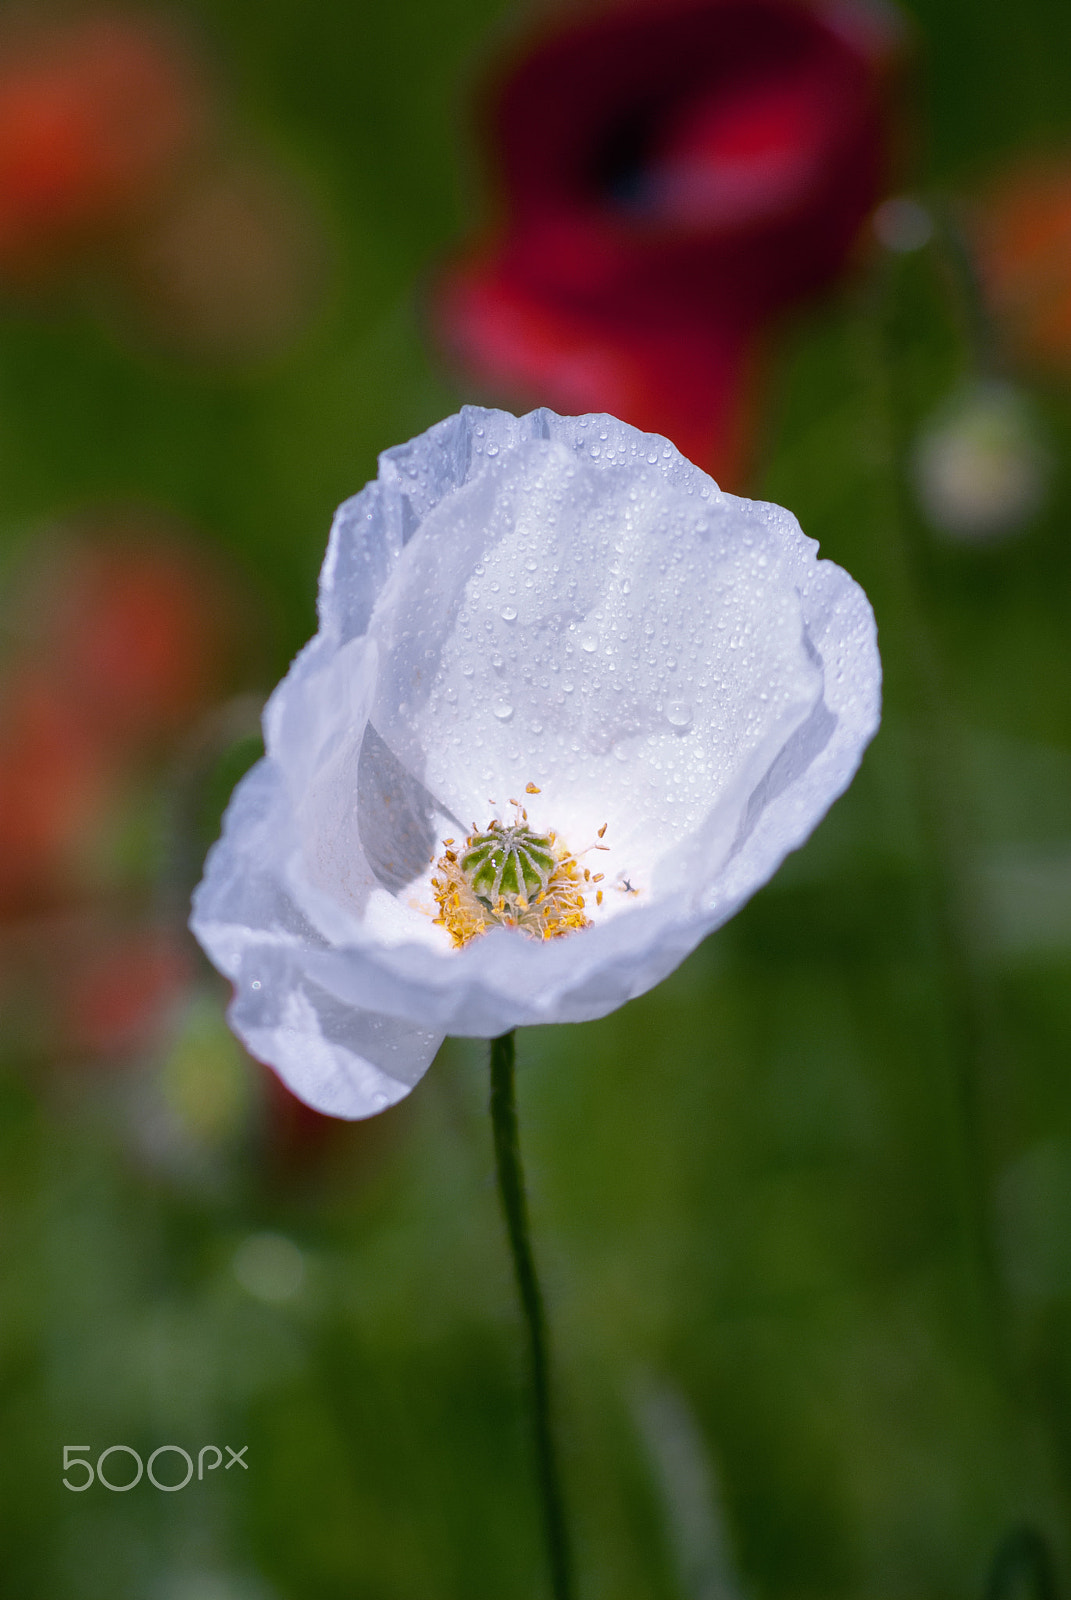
[(803, 1212)]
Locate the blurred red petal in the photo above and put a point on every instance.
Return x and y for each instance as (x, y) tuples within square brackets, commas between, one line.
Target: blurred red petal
[(691, 384), (137, 628), (53, 784), (116, 994)]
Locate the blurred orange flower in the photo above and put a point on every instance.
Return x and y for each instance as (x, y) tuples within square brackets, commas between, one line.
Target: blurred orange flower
[(113, 154), (1022, 232), (234, 266), (95, 114)]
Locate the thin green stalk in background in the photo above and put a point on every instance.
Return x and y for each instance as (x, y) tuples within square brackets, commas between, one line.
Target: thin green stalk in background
[(514, 1205), (916, 676), (979, 1049)]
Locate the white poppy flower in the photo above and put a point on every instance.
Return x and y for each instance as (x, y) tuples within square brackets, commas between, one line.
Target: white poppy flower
[(559, 614)]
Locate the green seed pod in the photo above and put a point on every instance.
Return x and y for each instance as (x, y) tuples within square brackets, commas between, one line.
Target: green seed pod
[(508, 863)]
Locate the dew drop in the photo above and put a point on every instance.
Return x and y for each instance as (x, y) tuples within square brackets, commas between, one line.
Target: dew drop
[(509, 613), (502, 710), (589, 643), (679, 714)]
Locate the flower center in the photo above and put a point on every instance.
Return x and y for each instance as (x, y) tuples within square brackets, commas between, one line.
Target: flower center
[(509, 876)]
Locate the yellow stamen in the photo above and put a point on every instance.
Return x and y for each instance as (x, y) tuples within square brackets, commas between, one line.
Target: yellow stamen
[(509, 876)]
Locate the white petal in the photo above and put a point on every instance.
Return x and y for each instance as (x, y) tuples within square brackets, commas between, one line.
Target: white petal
[(581, 624), (347, 1062)]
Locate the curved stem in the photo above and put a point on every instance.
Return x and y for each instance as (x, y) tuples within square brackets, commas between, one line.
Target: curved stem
[(514, 1205)]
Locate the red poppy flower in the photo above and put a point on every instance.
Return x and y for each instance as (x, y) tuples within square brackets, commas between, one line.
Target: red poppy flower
[(673, 174)]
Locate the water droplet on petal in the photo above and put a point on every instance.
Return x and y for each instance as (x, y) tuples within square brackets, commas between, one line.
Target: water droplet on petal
[(589, 643), (509, 613), (679, 714), (502, 710)]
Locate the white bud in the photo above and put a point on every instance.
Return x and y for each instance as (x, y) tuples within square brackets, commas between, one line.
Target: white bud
[(981, 466)]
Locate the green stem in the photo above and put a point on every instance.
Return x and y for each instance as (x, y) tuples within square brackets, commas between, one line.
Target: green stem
[(514, 1205), (1022, 1560)]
